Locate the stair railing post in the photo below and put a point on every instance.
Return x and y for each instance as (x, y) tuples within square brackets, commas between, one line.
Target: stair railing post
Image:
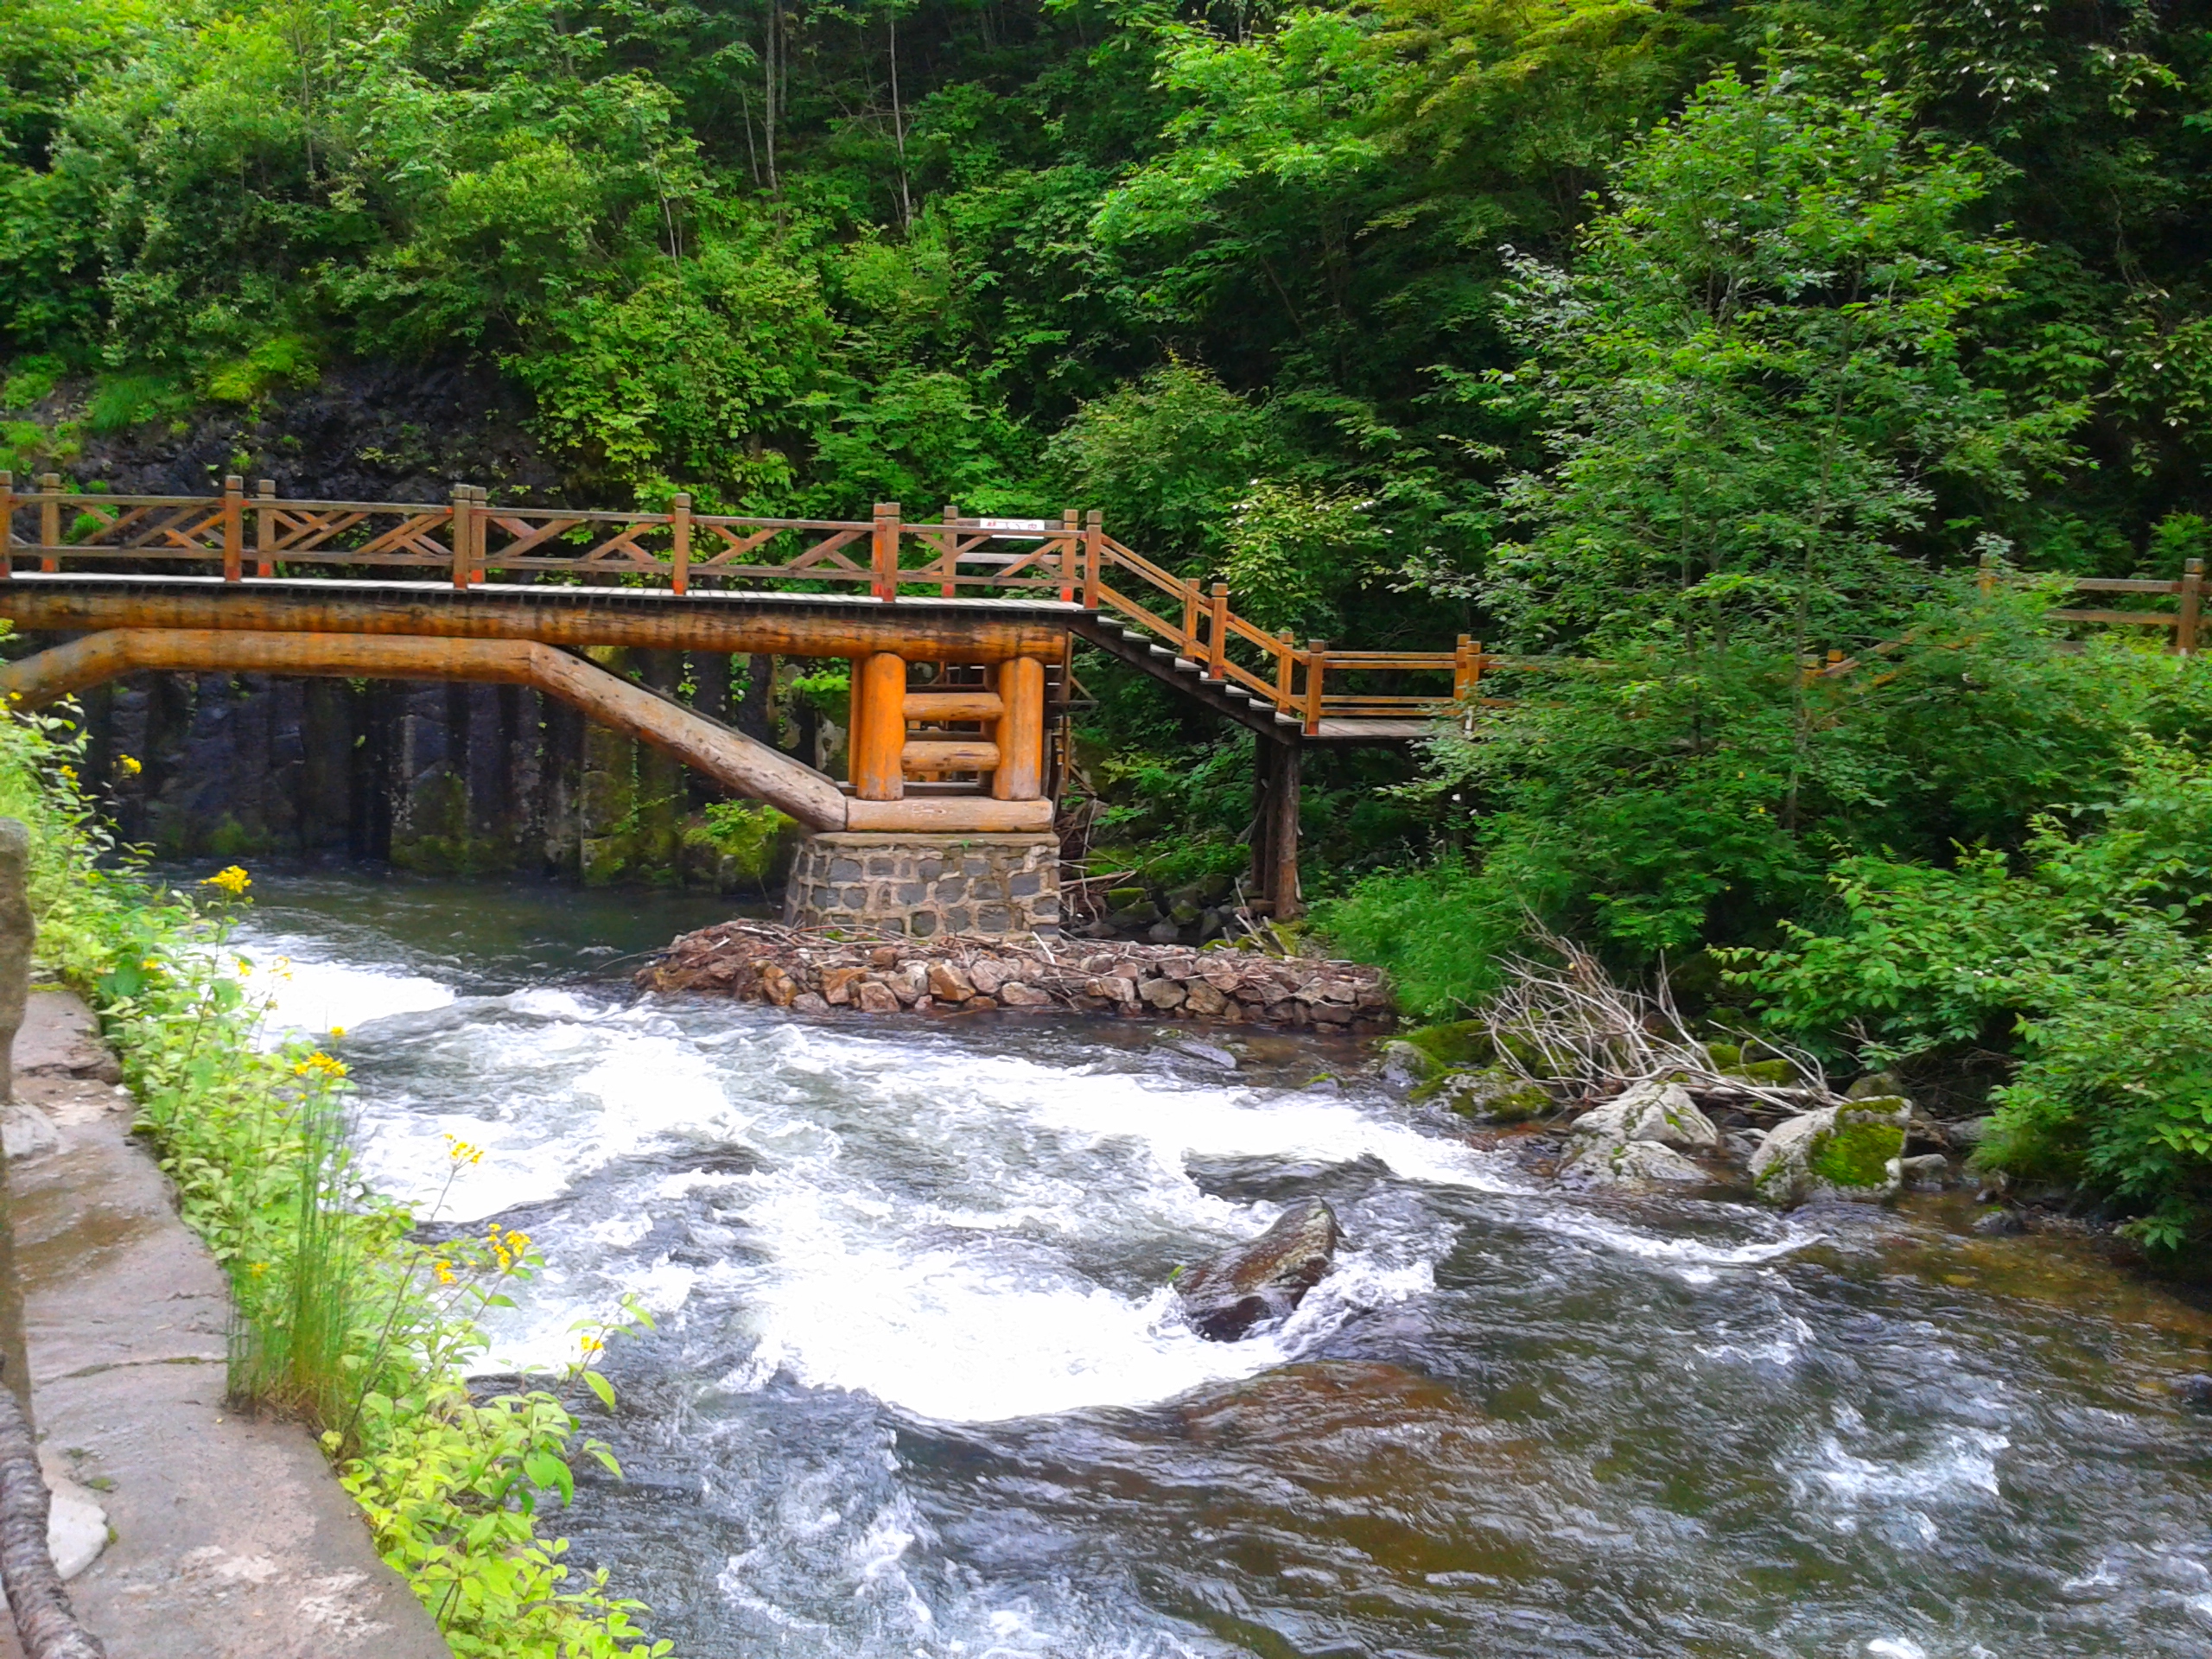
[(1285, 664), (2192, 598), (1317, 658), (1217, 633), (679, 530), (233, 529), (1094, 534), (7, 525), (883, 561), (264, 527), (1070, 542), (948, 560), (1188, 644), (49, 521), (457, 523)]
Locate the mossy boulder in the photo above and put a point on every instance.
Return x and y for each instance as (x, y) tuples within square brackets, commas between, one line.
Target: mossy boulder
[(1853, 1151), (1493, 1095), (1458, 1043)]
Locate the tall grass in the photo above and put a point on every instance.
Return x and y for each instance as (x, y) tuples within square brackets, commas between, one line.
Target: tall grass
[(1438, 929), (339, 1316)]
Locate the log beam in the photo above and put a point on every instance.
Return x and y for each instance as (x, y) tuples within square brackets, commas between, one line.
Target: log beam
[(735, 761), (792, 625)]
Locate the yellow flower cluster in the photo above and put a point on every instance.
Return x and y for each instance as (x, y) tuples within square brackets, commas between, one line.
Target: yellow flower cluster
[(461, 1153), (508, 1247), (69, 773), (233, 880), (443, 1270), (128, 766), (320, 1066)]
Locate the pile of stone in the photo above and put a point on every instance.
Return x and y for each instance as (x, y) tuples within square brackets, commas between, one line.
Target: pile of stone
[(1196, 912), (813, 972)]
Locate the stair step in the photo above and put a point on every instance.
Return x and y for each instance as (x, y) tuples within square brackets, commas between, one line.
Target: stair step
[(1160, 651), (1184, 665)]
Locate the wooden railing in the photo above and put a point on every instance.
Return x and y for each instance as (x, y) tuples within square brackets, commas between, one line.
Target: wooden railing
[(1070, 559)]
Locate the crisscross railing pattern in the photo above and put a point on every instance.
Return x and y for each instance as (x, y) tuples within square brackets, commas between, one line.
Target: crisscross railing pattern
[(1070, 560)]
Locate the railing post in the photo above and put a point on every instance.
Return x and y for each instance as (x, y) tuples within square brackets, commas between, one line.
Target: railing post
[(1466, 673), (1188, 644), (49, 521), (1317, 656), (2192, 595), (1985, 577), (1094, 533), (884, 556), (1286, 664), (1217, 633), (1071, 534), (948, 561), (463, 505), (264, 527), (7, 525), (679, 530), (233, 529)]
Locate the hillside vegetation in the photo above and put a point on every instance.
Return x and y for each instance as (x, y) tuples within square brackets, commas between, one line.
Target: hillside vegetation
[(1691, 342)]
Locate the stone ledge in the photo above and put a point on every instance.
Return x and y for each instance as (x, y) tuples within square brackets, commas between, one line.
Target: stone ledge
[(818, 970), (925, 885)]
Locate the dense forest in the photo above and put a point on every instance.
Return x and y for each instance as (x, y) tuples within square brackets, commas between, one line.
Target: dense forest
[(1687, 342)]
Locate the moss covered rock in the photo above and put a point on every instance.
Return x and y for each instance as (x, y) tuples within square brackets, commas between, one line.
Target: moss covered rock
[(1854, 1151), (1493, 1095)]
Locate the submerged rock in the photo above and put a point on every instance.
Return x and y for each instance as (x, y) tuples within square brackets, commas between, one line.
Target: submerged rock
[(1852, 1151), (1607, 1162), (1225, 1297)]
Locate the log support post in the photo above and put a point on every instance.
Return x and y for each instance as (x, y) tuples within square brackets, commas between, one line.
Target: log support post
[(1020, 731), (883, 552), (878, 741), (679, 537), (1273, 878)]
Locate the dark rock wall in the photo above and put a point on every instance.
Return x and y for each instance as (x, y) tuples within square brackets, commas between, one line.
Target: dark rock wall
[(453, 778)]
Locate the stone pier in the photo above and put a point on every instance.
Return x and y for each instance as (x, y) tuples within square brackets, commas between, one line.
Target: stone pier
[(923, 884)]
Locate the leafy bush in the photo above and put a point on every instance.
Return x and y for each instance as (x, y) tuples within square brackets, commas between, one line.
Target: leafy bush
[(2088, 963), (1437, 931)]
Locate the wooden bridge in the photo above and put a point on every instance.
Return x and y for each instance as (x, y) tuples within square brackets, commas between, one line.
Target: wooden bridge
[(959, 631)]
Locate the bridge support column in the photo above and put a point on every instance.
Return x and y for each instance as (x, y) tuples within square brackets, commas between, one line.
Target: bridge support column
[(1019, 730), (1275, 768), (925, 886), (878, 741)]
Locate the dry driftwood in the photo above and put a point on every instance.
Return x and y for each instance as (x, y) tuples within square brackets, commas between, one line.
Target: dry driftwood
[(1568, 1024), (45, 1623)]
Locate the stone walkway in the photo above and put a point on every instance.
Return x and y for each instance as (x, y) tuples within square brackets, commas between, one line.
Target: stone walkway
[(231, 1538)]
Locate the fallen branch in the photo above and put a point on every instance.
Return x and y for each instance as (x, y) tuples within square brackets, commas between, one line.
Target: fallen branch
[(45, 1623)]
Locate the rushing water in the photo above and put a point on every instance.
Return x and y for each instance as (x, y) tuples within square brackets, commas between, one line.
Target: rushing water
[(917, 1390)]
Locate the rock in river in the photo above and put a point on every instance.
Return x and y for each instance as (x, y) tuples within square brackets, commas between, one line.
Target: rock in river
[(1225, 1297), (1851, 1151)]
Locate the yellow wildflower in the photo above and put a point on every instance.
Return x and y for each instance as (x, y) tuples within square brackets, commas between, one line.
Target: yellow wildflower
[(70, 772), (321, 1065), (149, 962), (461, 1153), (233, 880), (128, 766), (338, 1031), (594, 1346), (443, 1268)]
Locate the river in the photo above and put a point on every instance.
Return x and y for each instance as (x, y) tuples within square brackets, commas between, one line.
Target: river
[(916, 1388)]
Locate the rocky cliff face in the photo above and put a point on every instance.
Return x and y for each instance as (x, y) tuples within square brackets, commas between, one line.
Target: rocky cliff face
[(448, 779)]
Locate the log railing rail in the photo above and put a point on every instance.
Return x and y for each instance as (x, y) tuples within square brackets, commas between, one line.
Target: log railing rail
[(468, 539)]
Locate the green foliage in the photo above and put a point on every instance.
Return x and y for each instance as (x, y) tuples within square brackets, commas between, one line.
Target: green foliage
[(1438, 930), (2087, 958)]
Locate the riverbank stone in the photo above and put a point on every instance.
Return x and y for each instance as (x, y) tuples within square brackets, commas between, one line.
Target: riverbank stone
[(1225, 1297), (1853, 1151)]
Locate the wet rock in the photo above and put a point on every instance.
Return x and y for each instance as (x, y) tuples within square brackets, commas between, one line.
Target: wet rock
[(1212, 1054), (1015, 995), (1493, 1096), (26, 1132), (17, 931), (1930, 1172), (1603, 1162), (1407, 1065), (2195, 1391), (1968, 1133), (1876, 1086), (1742, 1146), (76, 1525), (1851, 1151), (1225, 1297), (1659, 1112), (1999, 1223)]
